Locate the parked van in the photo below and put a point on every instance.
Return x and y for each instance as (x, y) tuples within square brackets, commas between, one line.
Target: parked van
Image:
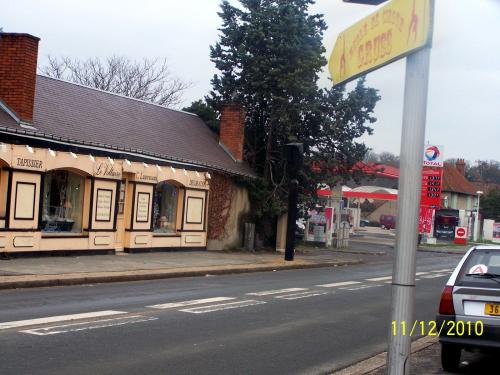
[(387, 221)]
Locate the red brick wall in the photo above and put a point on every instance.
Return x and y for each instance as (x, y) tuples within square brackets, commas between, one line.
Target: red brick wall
[(18, 59), (232, 129)]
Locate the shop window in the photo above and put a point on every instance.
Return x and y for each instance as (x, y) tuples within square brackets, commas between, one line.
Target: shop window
[(165, 208), (62, 209)]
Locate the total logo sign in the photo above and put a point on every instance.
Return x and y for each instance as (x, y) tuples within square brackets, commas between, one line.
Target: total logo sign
[(433, 156)]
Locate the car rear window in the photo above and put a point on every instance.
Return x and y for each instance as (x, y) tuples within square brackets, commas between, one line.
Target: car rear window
[(480, 260)]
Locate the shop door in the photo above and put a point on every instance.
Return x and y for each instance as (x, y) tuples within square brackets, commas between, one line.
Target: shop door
[(120, 218)]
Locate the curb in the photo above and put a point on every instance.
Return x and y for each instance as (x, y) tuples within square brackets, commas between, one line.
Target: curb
[(377, 361), (61, 280), (424, 250)]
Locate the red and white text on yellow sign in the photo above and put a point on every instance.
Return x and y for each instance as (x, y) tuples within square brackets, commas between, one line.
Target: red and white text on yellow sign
[(393, 31)]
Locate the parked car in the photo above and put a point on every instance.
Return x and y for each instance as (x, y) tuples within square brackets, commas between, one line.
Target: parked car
[(387, 221), (299, 230), (364, 222), (469, 310)]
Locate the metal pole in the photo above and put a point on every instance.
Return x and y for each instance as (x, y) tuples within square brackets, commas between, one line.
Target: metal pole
[(294, 155), (292, 217), (477, 222), (412, 145)]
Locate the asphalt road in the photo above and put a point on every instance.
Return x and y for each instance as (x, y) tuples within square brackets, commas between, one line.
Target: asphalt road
[(232, 324)]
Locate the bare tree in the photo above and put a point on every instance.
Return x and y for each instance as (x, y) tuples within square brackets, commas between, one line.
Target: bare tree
[(387, 158), (148, 80)]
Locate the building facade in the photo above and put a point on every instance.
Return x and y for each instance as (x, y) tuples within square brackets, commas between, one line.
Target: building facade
[(83, 169), (59, 200)]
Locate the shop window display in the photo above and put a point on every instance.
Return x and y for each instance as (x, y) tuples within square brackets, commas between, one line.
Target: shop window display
[(165, 208), (62, 209)]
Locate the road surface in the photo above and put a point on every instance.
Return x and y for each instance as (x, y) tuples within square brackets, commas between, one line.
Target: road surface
[(288, 322)]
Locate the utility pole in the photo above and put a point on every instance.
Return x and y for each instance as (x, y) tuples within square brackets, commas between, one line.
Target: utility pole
[(294, 157)]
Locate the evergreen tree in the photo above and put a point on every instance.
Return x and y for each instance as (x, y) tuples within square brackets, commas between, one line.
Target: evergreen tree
[(490, 205), (206, 113), (269, 56)]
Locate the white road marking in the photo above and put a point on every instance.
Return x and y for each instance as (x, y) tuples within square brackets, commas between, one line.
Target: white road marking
[(434, 276), (343, 283), (301, 295), (421, 273), (191, 302), (276, 291), (380, 278), (76, 327), (58, 318), (222, 306), (445, 270), (362, 286)]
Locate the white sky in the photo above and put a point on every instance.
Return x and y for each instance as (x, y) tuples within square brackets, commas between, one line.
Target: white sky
[(463, 109)]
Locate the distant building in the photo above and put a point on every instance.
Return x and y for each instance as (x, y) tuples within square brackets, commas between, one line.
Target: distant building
[(458, 193)]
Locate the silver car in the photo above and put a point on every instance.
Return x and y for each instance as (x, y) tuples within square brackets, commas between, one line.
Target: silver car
[(469, 311)]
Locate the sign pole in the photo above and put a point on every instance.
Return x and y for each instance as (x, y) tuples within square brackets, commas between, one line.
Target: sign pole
[(294, 156), (412, 144)]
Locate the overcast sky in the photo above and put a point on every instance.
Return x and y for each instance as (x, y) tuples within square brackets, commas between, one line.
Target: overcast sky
[(464, 105)]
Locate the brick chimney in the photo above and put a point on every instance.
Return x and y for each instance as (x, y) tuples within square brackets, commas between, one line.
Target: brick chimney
[(18, 59), (232, 130), (460, 165)]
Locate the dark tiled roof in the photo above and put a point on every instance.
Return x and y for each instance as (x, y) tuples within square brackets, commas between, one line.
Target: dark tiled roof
[(91, 116), (456, 182), (6, 119)]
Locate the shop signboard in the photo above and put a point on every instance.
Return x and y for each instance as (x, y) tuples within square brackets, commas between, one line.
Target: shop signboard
[(142, 214), (392, 32), (496, 232), (425, 220), (103, 205), (316, 226)]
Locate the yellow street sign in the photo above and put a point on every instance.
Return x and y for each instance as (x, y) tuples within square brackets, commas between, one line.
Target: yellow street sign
[(390, 33)]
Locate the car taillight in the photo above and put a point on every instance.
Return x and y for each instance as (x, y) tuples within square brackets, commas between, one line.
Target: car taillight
[(446, 304)]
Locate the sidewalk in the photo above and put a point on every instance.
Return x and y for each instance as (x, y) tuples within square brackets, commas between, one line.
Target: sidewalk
[(426, 360), (25, 272)]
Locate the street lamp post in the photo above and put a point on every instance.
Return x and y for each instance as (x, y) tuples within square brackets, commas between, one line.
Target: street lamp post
[(477, 223)]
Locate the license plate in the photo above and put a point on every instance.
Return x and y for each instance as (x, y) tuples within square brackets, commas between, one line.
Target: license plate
[(492, 309)]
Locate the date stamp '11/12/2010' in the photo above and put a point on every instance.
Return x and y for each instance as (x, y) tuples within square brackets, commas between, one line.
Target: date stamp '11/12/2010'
[(432, 328)]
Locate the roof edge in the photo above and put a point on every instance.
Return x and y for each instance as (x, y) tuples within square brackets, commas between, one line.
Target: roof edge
[(114, 149), (3, 33), (9, 111)]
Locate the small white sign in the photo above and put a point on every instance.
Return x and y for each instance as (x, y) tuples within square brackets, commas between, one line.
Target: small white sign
[(478, 269), (433, 156)]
